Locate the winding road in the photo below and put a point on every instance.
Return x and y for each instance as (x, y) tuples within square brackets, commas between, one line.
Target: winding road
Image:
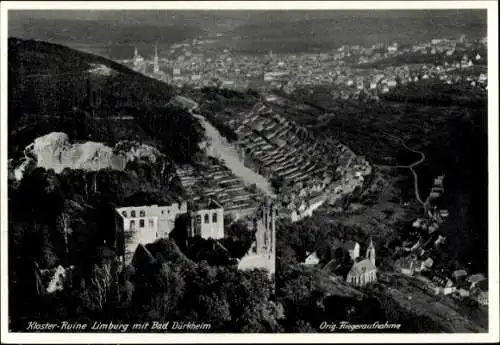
[(410, 166)]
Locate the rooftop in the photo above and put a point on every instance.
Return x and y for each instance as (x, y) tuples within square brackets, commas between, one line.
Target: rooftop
[(350, 245), (362, 266), (206, 204), (483, 285), (332, 266), (475, 278), (151, 210)]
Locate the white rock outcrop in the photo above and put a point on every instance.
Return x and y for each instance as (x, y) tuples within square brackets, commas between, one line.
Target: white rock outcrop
[(55, 151)]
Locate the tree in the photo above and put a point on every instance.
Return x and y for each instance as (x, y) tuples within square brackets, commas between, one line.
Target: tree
[(171, 287), (302, 326), (277, 183), (302, 292), (100, 286), (64, 223), (215, 308), (263, 317)]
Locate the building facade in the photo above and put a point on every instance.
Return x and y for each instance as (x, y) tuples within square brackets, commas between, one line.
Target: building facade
[(482, 297), (144, 224), (352, 248), (364, 272), (262, 253), (370, 252), (207, 221), (137, 225), (312, 259)]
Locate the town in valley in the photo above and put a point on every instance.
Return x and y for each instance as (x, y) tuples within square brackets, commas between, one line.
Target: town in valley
[(174, 177)]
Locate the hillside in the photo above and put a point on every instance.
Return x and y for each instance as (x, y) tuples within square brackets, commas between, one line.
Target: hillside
[(34, 63), (86, 135), (454, 140), (53, 88)]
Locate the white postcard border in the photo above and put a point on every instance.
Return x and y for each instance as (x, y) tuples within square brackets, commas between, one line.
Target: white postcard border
[(493, 241)]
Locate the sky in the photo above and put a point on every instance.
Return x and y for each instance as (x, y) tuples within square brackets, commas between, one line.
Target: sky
[(242, 16)]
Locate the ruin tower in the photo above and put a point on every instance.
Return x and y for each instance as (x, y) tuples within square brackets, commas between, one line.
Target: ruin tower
[(262, 253), (266, 229), (370, 252)]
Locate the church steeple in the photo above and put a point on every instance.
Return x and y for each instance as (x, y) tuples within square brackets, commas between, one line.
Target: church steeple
[(370, 252), (138, 60), (265, 236), (156, 66)]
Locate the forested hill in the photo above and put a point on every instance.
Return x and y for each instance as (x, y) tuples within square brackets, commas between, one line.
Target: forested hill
[(56, 88), (60, 71), (59, 93), (61, 212), (80, 112)]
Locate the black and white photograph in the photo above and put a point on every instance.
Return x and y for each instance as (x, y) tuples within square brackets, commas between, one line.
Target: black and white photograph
[(172, 169)]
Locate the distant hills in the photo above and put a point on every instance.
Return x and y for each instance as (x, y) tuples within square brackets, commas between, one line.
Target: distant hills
[(98, 31), (331, 29), (257, 30)]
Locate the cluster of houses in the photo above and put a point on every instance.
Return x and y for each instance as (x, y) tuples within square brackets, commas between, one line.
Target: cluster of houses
[(149, 67), (218, 182), (434, 216), (382, 81), (411, 264), (278, 147), (417, 261), (451, 72), (459, 285), (363, 270), (416, 249), (281, 150), (425, 235), (192, 64)]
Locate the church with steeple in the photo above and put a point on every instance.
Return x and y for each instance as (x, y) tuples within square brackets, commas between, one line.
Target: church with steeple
[(141, 65), (364, 271), (139, 62), (156, 65)]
